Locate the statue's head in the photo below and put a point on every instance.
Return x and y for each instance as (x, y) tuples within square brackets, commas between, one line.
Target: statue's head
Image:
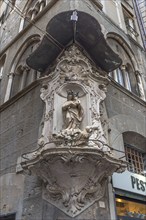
[(70, 95)]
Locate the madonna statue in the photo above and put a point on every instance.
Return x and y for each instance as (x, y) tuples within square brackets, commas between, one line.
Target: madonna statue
[(72, 111)]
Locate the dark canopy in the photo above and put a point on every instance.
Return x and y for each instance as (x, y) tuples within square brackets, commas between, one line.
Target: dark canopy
[(62, 31)]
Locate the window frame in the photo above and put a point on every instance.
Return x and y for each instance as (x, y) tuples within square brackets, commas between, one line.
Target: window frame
[(130, 22), (31, 12), (135, 159), (11, 216), (2, 64)]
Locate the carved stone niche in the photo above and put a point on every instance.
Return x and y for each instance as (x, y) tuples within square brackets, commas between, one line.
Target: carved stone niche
[(60, 99), (73, 157)]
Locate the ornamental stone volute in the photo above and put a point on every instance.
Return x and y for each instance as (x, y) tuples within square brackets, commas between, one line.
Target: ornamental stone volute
[(73, 157)]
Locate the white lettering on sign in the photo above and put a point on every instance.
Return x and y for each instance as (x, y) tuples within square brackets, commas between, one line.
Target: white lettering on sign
[(130, 182)]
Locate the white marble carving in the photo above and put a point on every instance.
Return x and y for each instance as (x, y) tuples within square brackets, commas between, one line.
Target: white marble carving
[(73, 157), (74, 178)]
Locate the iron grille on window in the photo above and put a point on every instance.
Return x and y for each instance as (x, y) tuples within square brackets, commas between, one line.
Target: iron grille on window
[(135, 160)]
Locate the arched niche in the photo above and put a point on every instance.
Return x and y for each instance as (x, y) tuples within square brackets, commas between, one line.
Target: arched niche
[(30, 11), (22, 74), (135, 139), (61, 97), (33, 39), (125, 46), (125, 75), (120, 124)]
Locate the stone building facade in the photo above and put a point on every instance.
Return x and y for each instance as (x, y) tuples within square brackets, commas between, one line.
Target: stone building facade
[(140, 9), (73, 110)]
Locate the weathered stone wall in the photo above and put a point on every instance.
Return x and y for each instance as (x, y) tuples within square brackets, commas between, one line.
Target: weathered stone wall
[(122, 102), (19, 132), (125, 113), (19, 129)]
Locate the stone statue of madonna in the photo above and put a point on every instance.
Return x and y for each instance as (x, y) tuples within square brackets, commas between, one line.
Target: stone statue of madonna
[(72, 111)]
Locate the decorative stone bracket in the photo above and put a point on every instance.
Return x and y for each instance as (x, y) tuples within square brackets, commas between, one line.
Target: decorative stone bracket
[(74, 177)]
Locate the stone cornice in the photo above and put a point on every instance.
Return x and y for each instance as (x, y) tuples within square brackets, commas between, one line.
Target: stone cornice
[(127, 92), (18, 95)]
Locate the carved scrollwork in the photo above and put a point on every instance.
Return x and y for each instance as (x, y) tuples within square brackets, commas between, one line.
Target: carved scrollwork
[(73, 179), (73, 66), (76, 197), (73, 157)]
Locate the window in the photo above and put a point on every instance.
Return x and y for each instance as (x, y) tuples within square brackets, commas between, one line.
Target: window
[(8, 217), (118, 75), (131, 79), (130, 24), (2, 62), (130, 209), (23, 77), (32, 10), (135, 159), (3, 12), (125, 75), (5, 8), (22, 74), (127, 79)]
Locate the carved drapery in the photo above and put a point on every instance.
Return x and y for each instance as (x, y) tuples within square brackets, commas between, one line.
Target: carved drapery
[(73, 157)]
